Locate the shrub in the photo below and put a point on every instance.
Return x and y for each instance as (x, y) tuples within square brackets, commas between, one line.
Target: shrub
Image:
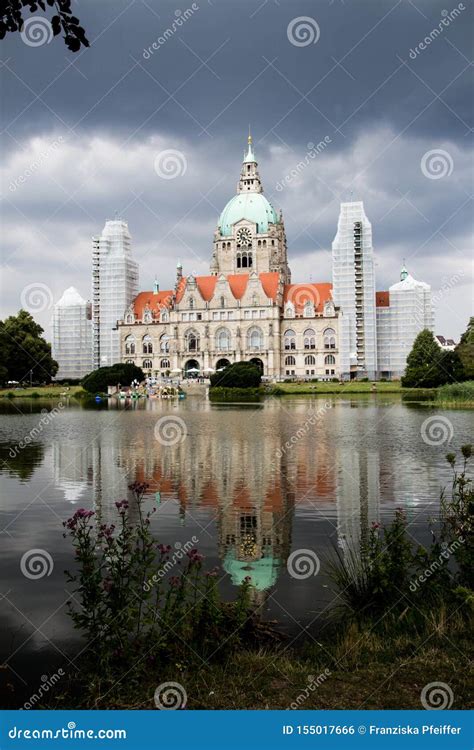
[(238, 375), (99, 380), (128, 609)]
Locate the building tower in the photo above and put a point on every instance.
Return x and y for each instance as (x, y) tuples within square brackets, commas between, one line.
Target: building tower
[(411, 311), (250, 235), (354, 291), (72, 335), (114, 286)]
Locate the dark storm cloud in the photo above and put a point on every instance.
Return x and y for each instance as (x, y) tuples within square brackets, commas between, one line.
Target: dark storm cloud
[(191, 79)]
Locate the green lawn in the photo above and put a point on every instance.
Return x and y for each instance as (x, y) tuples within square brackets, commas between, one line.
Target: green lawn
[(42, 391), (350, 387)]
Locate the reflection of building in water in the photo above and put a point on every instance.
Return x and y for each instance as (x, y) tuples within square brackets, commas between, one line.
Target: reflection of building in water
[(357, 497), (72, 469)]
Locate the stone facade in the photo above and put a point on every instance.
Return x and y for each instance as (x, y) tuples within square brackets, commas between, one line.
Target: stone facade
[(246, 309)]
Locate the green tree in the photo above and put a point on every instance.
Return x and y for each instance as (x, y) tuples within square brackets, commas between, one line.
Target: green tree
[(424, 368), (452, 369), (465, 351), (97, 381), (238, 375), (24, 354)]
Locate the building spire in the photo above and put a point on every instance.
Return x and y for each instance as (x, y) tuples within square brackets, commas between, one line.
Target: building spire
[(249, 157), (403, 272), (249, 177)]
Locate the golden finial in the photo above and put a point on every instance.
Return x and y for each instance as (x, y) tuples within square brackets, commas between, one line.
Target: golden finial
[(249, 139)]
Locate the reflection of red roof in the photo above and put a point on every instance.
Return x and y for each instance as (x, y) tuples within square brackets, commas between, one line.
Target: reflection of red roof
[(298, 294), (382, 299)]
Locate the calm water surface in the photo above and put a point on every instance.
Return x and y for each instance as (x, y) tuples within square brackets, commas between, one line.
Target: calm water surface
[(251, 483)]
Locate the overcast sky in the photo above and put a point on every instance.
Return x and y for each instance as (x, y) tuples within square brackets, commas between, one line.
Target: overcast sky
[(83, 137)]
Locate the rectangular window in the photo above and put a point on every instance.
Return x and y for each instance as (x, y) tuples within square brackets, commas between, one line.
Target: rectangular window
[(184, 316), (215, 316), (222, 315), (246, 314), (254, 313), (262, 313), (199, 316)]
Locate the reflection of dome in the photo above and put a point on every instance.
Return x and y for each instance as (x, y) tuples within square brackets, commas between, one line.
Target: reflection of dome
[(251, 206), (263, 573)]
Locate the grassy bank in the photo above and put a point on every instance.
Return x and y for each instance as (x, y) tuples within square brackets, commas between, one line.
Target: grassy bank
[(235, 394), (365, 667), (348, 388), (43, 391), (456, 394)]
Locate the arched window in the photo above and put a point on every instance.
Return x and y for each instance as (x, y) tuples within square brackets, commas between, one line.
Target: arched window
[(147, 344), (191, 303), (147, 364), (223, 339), (330, 359), (308, 311), (192, 341), (309, 339), (130, 345), (329, 338), (147, 316), (222, 301), (164, 315), (129, 362), (289, 310), (289, 339), (165, 364), (310, 360), (290, 361), (255, 338), (164, 343), (130, 318)]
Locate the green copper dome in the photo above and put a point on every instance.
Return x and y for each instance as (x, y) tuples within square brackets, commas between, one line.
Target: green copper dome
[(263, 573), (251, 206)]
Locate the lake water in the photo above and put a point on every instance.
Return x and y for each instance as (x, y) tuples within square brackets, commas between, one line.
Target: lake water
[(251, 484)]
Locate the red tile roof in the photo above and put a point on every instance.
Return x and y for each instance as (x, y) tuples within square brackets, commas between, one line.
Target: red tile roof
[(298, 294), (382, 299), (154, 301)]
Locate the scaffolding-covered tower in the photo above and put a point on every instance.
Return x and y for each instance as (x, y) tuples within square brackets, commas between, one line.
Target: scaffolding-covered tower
[(72, 335), (114, 287)]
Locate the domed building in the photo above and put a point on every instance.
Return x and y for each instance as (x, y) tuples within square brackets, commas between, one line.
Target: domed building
[(245, 309)]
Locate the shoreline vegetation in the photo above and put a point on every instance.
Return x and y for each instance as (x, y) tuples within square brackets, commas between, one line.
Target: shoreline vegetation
[(459, 395), (403, 619)]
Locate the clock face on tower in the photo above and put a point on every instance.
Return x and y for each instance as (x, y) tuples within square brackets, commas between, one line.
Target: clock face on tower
[(244, 236)]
